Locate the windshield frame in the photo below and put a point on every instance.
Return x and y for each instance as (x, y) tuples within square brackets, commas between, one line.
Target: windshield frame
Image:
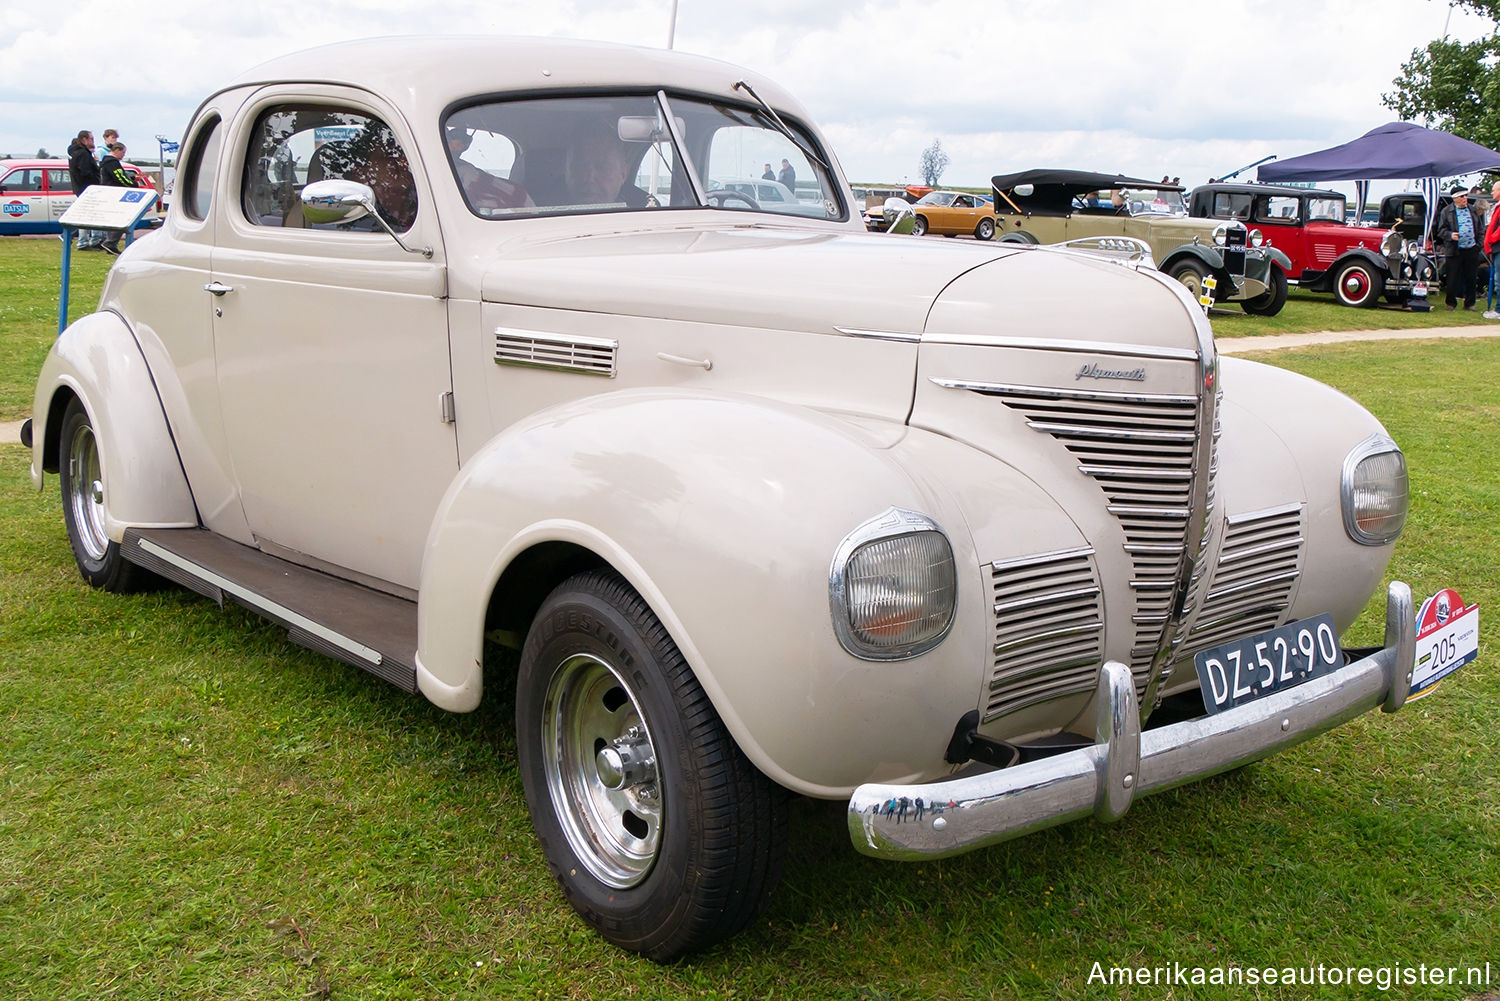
[(685, 166)]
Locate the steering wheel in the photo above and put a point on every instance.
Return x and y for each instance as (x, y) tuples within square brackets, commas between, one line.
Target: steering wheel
[(719, 196)]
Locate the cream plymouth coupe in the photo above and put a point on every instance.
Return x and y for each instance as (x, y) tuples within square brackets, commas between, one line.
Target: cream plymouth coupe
[(468, 339)]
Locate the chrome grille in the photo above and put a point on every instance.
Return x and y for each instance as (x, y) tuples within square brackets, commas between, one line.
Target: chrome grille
[(1140, 450), (1049, 626), (589, 355), (1252, 583)]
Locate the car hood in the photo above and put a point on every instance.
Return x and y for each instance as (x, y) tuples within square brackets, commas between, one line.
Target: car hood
[(800, 280)]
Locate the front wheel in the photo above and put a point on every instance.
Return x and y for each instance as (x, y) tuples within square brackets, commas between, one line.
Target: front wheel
[(81, 474), (1269, 302), (985, 230), (919, 228), (1358, 284), (661, 833), (1191, 274)]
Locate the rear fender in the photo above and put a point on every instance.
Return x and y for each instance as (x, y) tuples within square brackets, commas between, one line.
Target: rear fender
[(98, 361)]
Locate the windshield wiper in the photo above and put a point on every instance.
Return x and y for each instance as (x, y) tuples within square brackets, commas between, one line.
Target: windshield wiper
[(780, 125)]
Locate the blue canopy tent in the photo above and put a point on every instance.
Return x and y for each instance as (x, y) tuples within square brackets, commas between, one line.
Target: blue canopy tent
[(1396, 151)]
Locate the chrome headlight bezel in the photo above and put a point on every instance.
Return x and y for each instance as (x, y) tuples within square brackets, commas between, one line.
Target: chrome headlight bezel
[(846, 582), (1392, 244), (1257, 238), (1221, 234), (1374, 447)]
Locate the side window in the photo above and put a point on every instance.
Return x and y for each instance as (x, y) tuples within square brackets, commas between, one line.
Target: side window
[(1278, 208), (199, 171), (1229, 204), (60, 180), (291, 146), (23, 180)]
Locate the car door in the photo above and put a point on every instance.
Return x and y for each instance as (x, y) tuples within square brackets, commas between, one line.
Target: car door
[(331, 340), (23, 204), (1279, 218), (59, 185)]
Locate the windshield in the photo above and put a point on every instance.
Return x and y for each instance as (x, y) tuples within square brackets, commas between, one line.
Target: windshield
[(618, 153), (1152, 202)]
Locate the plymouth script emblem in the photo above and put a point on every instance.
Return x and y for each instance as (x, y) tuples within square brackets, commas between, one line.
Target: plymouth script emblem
[(1125, 374)]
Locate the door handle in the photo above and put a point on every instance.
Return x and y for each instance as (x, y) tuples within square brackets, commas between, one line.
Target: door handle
[(218, 289)]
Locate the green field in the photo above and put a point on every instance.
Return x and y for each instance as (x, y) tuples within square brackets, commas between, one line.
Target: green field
[(193, 807)]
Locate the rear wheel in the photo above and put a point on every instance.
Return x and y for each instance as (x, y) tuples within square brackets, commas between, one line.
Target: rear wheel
[(919, 228), (81, 474), (1268, 303), (661, 833), (1019, 236), (1358, 284), (985, 230)]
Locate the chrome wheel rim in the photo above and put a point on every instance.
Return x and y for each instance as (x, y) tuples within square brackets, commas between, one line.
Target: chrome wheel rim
[(86, 492), (600, 766)]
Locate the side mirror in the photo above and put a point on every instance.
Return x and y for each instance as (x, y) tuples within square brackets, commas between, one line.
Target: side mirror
[(337, 200), (899, 217)]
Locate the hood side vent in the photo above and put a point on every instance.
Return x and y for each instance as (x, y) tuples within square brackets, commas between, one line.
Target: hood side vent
[(530, 349)]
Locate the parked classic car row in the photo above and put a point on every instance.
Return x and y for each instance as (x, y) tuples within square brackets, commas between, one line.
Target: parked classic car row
[(450, 343), (35, 193)]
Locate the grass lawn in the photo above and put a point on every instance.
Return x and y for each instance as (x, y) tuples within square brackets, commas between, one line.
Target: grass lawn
[(192, 807)]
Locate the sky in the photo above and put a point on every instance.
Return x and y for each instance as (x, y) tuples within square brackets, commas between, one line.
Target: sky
[(1169, 87)]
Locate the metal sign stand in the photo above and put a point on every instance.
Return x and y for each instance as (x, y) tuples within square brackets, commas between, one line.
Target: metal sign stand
[(114, 210)]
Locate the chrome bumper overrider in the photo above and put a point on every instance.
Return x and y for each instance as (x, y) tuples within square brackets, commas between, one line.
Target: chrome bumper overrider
[(935, 819)]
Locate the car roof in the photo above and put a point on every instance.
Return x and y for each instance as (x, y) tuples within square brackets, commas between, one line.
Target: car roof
[(1076, 182), (433, 72), (1245, 187)]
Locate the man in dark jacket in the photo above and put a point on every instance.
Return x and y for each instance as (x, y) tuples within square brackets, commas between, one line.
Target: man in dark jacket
[(115, 176), (1458, 235), (83, 171)]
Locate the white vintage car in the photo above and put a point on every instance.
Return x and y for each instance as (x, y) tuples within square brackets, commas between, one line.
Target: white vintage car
[(451, 340)]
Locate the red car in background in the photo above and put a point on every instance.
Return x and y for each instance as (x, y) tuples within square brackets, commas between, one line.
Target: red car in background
[(35, 193), (1358, 264)]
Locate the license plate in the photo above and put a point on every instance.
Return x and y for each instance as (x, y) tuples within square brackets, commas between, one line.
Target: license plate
[(1273, 661)]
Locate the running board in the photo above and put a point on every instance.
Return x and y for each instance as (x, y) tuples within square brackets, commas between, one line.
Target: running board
[(349, 622)]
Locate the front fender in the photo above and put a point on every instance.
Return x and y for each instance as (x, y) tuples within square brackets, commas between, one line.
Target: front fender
[(1207, 256), (724, 513), (98, 360)]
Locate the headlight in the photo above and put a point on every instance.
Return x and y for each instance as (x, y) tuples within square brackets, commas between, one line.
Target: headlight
[(1374, 490), (1391, 244), (1257, 238), (1219, 234), (893, 587)]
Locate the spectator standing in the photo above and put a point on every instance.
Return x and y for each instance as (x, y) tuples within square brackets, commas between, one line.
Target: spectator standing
[(83, 171), (788, 176), (769, 175), (109, 136), (114, 176), (1491, 245), (1458, 232)]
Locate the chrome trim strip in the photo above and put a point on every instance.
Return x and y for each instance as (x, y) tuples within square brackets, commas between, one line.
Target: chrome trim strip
[(962, 814), (1112, 434), (255, 600), (1137, 474), (1057, 557), (996, 388), (1258, 582), (1265, 515), (1229, 559), (1058, 344), (1052, 634), (1011, 679), (1051, 597), (881, 335)]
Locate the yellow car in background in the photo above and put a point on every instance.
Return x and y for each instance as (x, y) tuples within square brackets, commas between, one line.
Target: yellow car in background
[(951, 213)]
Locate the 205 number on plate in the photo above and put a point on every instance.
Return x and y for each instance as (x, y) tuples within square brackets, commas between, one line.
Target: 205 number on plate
[(1273, 661)]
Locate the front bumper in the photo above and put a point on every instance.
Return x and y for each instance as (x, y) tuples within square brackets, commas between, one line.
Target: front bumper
[(937, 819)]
